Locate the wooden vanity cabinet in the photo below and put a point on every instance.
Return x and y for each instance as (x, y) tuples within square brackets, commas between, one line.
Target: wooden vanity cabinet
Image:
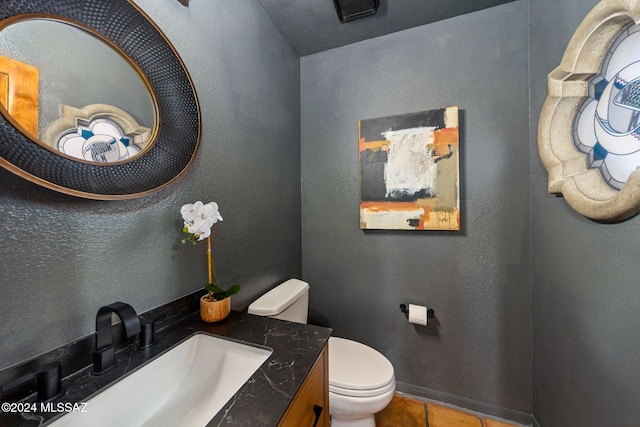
[(310, 406)]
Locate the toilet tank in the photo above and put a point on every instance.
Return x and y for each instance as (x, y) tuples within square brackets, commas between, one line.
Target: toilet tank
[(287, 301)]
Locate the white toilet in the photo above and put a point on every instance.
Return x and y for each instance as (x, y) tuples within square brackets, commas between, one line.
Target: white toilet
[(361, 380)]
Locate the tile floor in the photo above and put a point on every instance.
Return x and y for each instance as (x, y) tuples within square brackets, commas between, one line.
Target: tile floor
[(404, 411)]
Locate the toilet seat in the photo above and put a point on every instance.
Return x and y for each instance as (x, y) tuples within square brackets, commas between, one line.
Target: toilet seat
[(363, 393), (358, 370)]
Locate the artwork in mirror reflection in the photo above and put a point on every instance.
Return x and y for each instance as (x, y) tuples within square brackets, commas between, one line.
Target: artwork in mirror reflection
[(409, 171), (607, 125)]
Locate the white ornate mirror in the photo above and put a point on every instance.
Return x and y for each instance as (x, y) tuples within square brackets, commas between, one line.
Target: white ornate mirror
[(589, 130)]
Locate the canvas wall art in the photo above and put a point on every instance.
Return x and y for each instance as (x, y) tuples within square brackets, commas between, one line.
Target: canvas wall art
[(409, 171)]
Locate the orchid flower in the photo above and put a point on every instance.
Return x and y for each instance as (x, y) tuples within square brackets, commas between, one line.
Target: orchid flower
[(199, 218)]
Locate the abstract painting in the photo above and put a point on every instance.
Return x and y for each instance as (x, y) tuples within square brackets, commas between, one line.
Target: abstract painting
[(409, 171)]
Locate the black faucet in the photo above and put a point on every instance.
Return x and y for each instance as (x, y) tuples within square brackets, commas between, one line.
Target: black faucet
[(104, 356)]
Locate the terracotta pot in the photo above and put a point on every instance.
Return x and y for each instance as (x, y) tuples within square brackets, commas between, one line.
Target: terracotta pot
[(214, 311)]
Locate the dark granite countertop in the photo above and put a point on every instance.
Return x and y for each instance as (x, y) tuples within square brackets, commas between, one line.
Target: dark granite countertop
[(260, 402)]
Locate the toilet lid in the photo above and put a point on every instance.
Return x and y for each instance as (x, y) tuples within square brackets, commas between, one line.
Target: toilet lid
[(279, 298), (355, 366)]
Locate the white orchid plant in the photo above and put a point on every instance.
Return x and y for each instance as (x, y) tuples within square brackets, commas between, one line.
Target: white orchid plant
[(198, 220)]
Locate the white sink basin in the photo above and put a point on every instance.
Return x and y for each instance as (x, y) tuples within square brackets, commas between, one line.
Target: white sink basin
[(185, 386)]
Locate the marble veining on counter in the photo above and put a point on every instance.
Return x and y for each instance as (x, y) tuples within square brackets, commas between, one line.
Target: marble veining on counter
[(261, 401)]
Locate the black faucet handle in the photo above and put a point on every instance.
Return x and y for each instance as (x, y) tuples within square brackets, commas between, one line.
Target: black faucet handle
[(48, 381), (147, 338)]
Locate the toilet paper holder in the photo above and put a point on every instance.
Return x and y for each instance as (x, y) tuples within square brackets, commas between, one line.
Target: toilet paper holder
[(430, 312)]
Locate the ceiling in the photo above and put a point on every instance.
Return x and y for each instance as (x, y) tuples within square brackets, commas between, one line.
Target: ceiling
[(313, 26)]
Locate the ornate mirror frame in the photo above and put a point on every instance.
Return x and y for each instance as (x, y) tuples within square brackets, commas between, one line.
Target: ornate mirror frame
[(568, 86), (124, 25)]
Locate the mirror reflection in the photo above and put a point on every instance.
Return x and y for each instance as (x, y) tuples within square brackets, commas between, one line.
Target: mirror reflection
[(55, 83)]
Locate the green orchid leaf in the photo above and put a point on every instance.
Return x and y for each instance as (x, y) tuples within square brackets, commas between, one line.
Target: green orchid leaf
[(233, 290), (219, 295), (213, 288)]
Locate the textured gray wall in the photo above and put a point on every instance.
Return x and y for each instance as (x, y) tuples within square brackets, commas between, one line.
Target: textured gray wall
[(477, 280), (585, 276), (61, 258)]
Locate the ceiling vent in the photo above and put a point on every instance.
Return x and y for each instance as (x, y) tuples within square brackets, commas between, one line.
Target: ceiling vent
[(349, 10)]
